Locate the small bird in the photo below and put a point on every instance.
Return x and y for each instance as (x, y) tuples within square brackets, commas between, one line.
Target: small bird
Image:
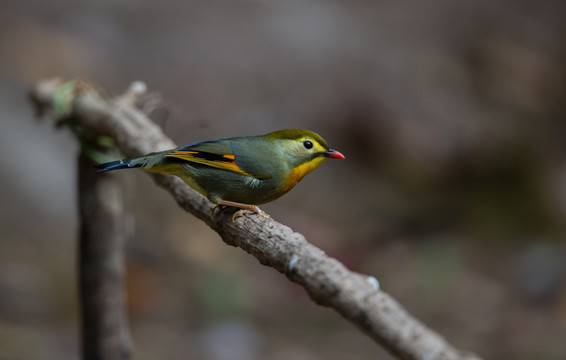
[(242, 172)]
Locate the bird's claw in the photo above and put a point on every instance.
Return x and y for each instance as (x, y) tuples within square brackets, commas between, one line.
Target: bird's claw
[(244, 208), (218, 207), (254, 210)]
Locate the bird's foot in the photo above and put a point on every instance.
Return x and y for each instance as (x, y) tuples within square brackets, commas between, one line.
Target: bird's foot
[(218, 207), (244, 209), (253, 210)]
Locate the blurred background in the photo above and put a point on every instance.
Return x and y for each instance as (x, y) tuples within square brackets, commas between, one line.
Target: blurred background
[(451, 115)]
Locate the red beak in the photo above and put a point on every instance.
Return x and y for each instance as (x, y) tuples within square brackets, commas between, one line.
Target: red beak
[(334, 154)]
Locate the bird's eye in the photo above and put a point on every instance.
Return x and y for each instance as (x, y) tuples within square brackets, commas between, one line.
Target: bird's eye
[(307, 144)]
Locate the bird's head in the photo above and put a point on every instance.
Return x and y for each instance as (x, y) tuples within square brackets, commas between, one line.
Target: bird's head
[(304, 150)]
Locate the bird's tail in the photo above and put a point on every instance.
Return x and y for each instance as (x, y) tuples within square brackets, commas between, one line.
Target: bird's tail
[(149, 162), (118, 164)]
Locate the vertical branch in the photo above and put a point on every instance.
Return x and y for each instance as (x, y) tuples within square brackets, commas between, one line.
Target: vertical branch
[(105, 334)]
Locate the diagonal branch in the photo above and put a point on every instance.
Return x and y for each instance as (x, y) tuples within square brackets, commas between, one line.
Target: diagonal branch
[(328, 282)]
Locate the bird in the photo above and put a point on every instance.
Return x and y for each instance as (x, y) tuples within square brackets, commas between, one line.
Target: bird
[(241, 172)]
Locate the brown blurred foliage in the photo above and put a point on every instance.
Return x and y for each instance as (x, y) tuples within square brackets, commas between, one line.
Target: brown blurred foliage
[(451, 115)]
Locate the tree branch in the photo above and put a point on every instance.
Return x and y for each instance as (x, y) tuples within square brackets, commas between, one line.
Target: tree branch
[(328, 282), (105, 334)]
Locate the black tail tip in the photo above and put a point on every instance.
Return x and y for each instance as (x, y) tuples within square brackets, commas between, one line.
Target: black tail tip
[(101, 168), (113, 165)]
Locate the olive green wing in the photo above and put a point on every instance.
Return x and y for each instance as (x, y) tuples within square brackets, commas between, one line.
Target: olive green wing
[(219, 153)]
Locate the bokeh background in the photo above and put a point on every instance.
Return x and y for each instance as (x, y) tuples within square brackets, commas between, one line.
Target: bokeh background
[(451, 115)]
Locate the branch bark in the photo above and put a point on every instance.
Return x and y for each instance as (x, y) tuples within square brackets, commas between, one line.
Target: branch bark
[(328, 282), (105, 334)]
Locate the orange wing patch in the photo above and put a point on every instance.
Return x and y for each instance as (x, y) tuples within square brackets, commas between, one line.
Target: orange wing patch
[(224, 162)]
